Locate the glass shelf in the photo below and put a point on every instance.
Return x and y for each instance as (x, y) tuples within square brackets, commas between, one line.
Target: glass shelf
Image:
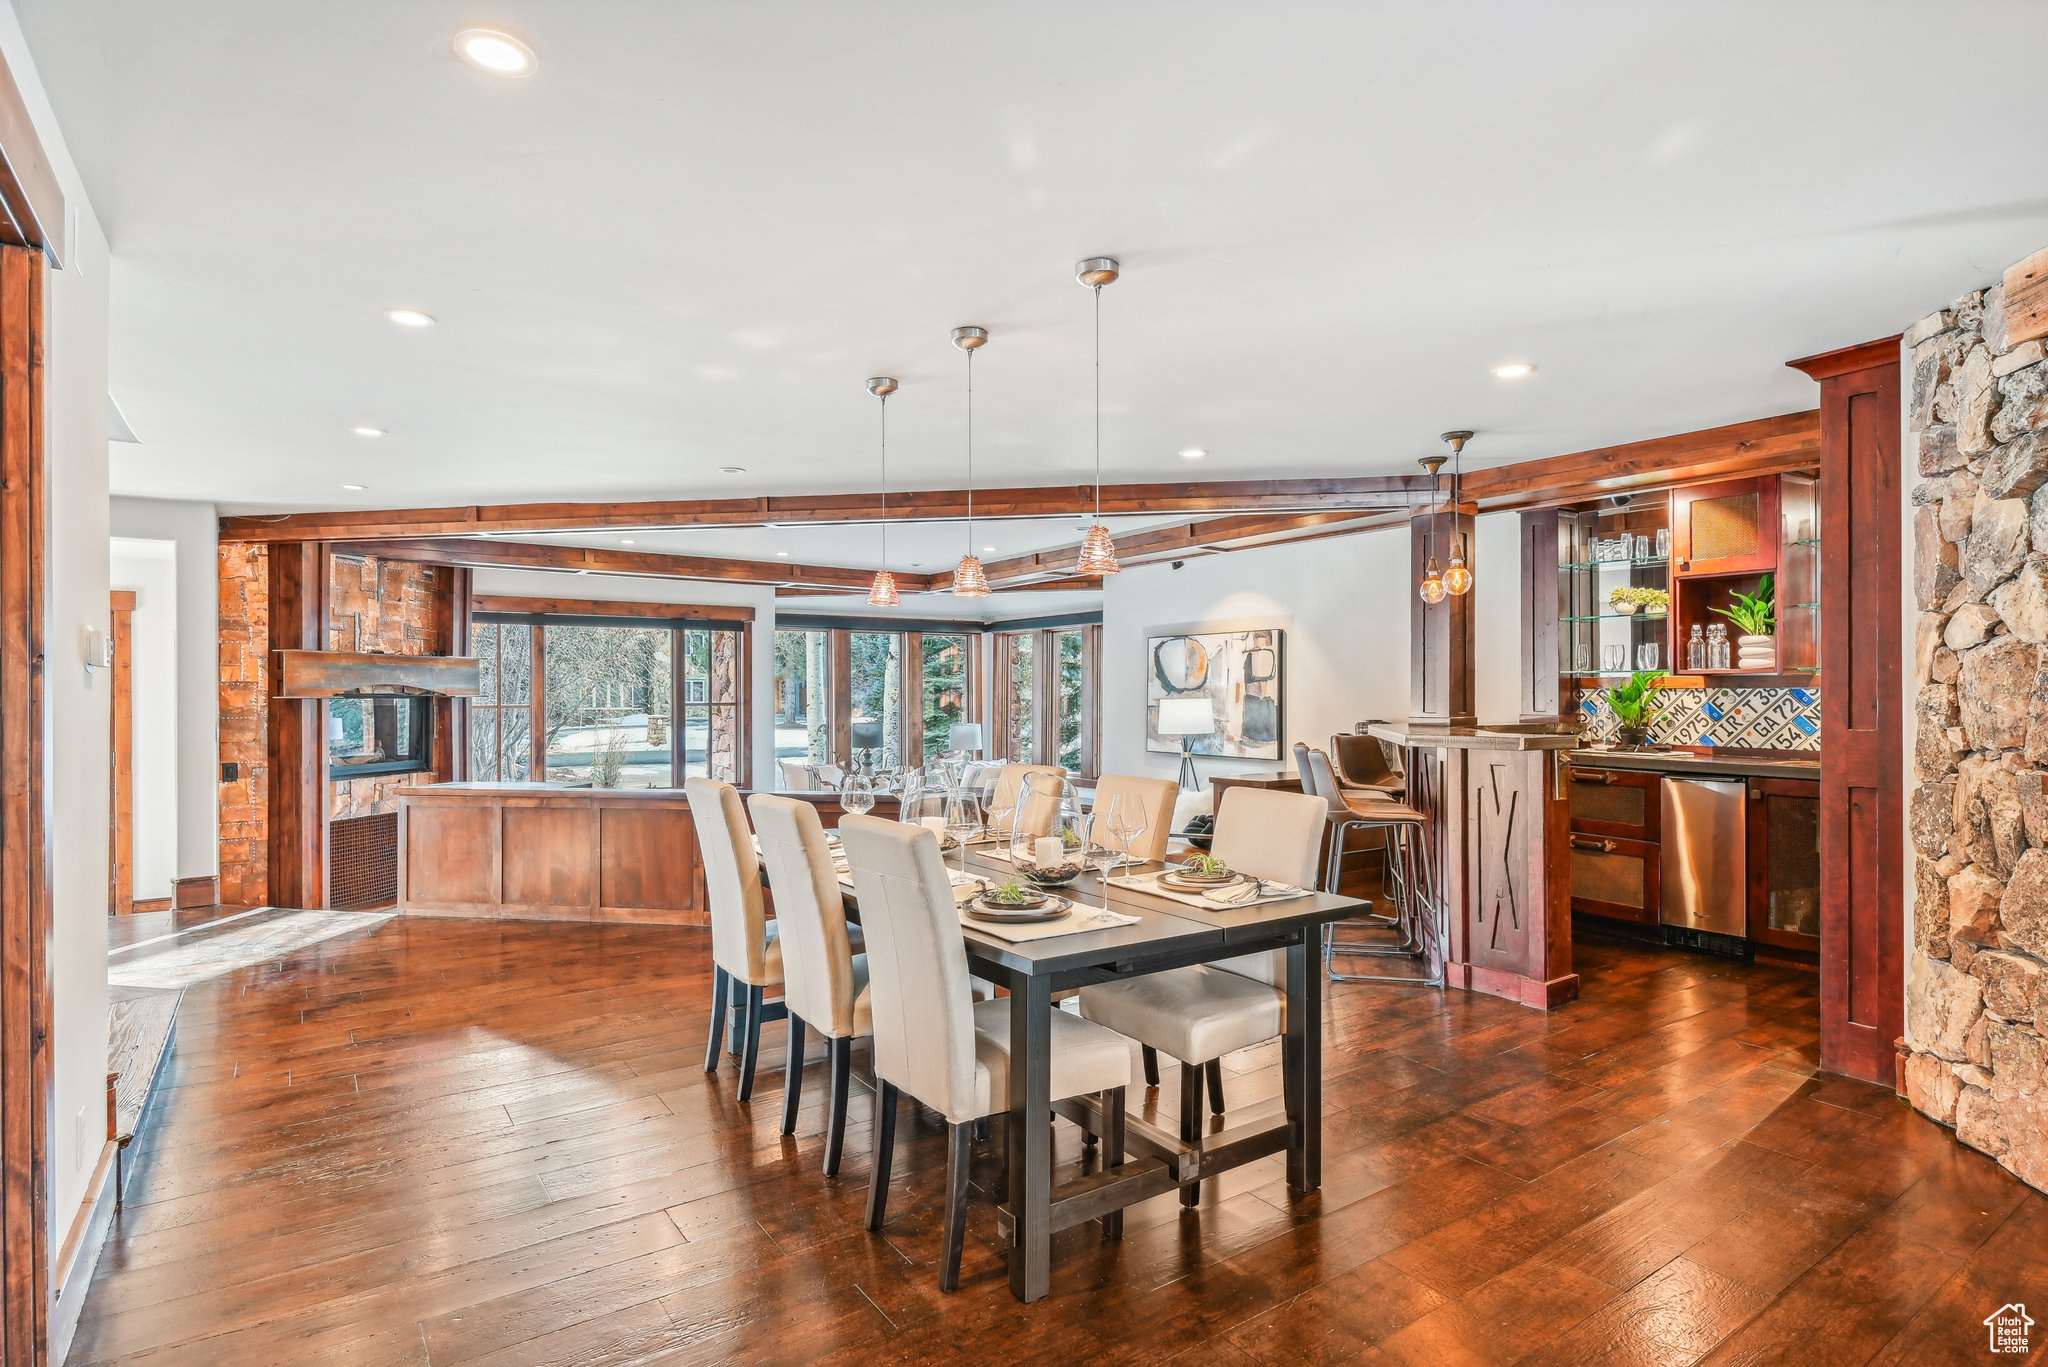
[(1811, 606), (1807, 541), (1619, 617), (1614, 564)]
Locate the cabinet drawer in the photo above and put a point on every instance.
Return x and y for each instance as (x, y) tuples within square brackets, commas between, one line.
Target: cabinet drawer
[(1621, 802), (1615, 878)]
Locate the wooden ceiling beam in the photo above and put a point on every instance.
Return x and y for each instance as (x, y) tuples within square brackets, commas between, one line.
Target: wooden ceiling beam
[(1118, 500), (596, 560)]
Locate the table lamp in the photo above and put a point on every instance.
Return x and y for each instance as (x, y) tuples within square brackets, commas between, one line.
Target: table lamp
[(965, 737), (1187, 718)]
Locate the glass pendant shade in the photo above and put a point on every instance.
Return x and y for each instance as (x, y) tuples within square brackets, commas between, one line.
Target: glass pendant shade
[(1457, 579), (882, 594), (1098, 553), (968, 580), (1432, 585)]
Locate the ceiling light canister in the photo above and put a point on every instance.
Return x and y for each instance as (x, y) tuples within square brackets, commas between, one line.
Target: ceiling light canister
[(496, 52)]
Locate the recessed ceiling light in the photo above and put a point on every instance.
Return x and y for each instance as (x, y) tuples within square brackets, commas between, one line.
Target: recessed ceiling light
[(495, 51), (367, 431), (732, 469), (355, 488), (410, 318), (625, 541), (988, 550), (782, 555), (1192, 453), (1513, 370)]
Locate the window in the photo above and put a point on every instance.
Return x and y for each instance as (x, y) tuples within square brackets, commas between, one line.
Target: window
[(944, 688), (803, 696), (501, 716), (1020, 683), (876, 696), (605, 705), (1048, 701)]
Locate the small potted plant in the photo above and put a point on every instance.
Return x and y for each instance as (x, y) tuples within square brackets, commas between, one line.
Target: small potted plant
[(1635, 707), (1754, 614), (1628, 599)]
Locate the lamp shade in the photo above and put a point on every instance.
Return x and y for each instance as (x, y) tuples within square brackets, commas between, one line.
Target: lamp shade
[(1186, 717), (966, 736)]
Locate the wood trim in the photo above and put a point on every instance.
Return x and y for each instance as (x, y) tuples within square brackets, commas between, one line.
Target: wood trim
[(463, 550), (32, 209), (200, 891), (2026, 299), (912, 690), (1543, 694), (606, 607), (839, 712), (451, 765), (1442, 684), (121, 758), (1847, 360), (25, 991), (1862, 912)]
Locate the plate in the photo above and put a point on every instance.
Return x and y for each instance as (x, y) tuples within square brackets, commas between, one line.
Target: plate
[(1190, 882), (1033, 900), (1053, 910)]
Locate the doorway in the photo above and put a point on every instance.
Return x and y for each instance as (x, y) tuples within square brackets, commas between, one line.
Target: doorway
[(142, 865)]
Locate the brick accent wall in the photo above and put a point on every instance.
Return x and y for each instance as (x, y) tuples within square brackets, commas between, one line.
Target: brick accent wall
[(392, 608), (244, 724)]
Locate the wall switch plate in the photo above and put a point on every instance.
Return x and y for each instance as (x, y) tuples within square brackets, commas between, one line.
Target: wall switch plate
[(230, 772)]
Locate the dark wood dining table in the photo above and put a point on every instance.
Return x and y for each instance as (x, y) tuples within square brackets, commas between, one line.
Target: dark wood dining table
[(1167, 935)]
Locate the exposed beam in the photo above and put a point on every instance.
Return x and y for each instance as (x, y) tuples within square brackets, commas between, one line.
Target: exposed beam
[(2026, 299), (938, 505), (32, 210), (596, 560)]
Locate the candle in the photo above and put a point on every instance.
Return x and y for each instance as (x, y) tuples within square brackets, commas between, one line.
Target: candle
[(1047, 852), (935, 824)]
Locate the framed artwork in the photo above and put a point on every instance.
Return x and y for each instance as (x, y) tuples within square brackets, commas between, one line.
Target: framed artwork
[(1237, 673)]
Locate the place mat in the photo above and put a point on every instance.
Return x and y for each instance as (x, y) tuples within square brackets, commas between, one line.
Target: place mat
[(1085, 918), (1148, 884), (965, 885)]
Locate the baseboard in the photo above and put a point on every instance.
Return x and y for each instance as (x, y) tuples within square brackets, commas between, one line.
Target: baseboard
[(142, 904), (203, 891), (81, 1253)]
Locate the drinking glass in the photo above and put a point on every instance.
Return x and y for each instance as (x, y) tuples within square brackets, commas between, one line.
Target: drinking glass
[(1663, 543), (857, 793), (1642, 548), (1128, 820), (1646, 656), (1103, 855), (1613, 659), (1582, 657)]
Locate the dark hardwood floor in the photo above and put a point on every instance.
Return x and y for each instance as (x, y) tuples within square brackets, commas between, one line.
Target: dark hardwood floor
[(466, 1142)]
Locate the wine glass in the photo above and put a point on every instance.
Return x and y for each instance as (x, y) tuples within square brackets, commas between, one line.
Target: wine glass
[(963, 819), (1128, 820), (1102, 852), (857, 793)]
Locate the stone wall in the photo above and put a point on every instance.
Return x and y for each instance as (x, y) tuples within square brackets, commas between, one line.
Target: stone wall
[(1977, 993), (392, 608)]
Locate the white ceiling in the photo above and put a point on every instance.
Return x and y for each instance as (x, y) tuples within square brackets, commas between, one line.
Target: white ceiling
[(687, 240)]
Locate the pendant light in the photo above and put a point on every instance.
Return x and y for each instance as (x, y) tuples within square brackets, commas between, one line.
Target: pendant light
[(1458, 578), (968, 579), (883, 592), (1432, 589), (1098, 551)]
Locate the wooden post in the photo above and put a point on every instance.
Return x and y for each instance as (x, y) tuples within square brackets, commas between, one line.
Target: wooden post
[(1544, 695), (1862, 729), (297, 734), (1441, 682)]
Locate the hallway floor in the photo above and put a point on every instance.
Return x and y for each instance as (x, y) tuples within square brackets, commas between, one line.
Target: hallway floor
[(439, 1142)]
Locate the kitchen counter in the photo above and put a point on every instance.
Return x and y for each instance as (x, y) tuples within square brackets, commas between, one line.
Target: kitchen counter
[(1704, 763), (1506, 737)]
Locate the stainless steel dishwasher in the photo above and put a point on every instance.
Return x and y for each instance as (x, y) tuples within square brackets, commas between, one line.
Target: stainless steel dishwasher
[(1703, 858)]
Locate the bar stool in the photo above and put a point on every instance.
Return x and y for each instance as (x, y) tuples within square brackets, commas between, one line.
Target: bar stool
[(1404, 838)]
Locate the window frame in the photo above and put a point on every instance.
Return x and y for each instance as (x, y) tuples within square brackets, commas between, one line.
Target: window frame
[(1045, 697), (839, 634)]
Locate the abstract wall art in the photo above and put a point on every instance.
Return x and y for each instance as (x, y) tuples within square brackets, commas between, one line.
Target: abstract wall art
[(1239, 673)]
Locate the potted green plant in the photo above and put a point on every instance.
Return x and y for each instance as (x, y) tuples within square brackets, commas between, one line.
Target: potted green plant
[(1628, 599), (1635, 706), (1754, 614)]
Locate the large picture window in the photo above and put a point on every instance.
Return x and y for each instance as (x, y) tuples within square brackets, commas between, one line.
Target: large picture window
[(891, 697), (1048, 697), (803, 696), (615, 701)]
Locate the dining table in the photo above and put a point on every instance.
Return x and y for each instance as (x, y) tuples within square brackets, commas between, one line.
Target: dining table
[(1163, 934)]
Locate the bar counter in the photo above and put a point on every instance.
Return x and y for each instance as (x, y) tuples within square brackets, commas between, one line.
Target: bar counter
[(1500, 832), (536, 851)]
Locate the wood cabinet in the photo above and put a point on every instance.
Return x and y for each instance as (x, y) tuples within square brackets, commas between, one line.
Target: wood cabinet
[(1726, 528), (1783, 833), (1725, 538), (1616, 821)]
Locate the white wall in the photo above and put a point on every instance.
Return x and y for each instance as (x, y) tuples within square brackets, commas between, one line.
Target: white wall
[(195, 528), (1343, 603), (616, 588), (75, 417), (149, 570)]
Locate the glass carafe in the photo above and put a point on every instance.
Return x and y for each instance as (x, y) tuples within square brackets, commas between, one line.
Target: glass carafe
[(1048, 834), (1696, 648)]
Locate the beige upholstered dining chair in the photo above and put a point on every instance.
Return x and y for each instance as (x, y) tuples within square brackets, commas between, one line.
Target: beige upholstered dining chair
[(1199, 1014), (824, 983), (1156, 795), (1009, 788), (931, 1040), (745, 952)]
